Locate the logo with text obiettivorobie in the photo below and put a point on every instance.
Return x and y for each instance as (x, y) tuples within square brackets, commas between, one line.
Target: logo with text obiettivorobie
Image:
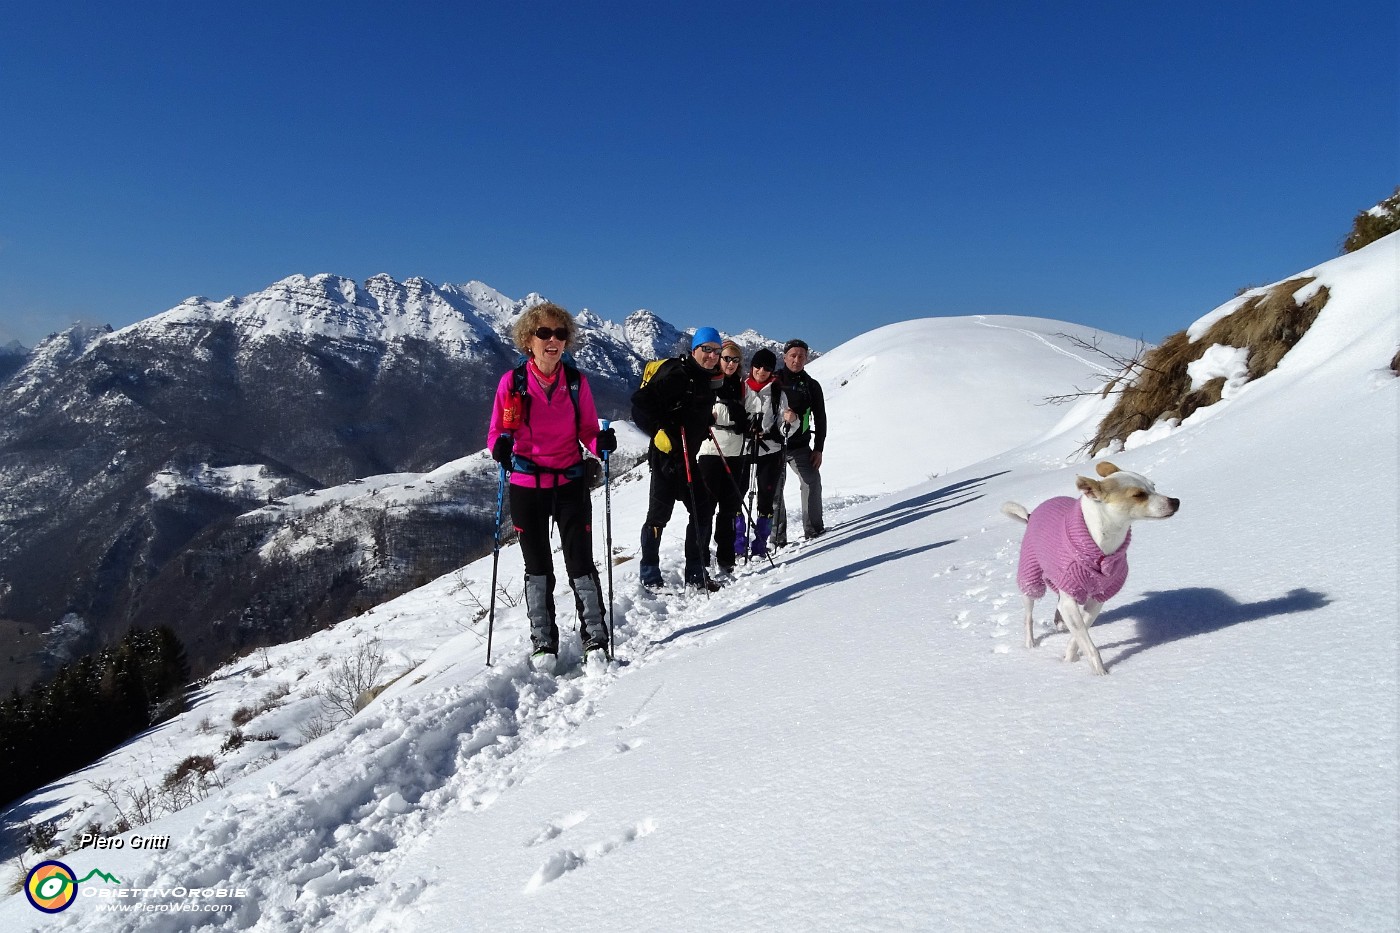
[(53, 886)]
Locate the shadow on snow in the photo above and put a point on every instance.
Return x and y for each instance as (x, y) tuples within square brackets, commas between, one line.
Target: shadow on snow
[(1164, 617), (804, 588)]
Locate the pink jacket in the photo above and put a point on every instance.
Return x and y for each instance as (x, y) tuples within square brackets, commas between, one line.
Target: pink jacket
[(547, 437), (1059, 552)]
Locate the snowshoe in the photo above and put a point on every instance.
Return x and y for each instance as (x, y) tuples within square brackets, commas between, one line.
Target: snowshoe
[(544, 661)]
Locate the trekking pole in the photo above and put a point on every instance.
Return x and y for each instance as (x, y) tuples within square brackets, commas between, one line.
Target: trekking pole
[(694, 525), (495, 559), (607, 525), (753, 476)]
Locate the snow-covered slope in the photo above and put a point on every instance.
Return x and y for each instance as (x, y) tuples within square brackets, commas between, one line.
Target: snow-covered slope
[(854, 738), (949, 392)]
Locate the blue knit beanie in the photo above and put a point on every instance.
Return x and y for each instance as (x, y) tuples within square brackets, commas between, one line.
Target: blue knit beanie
[(706, 335)]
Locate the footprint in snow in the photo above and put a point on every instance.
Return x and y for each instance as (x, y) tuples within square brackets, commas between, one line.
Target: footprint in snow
[(624, 747), (556, 828), (561, 863)]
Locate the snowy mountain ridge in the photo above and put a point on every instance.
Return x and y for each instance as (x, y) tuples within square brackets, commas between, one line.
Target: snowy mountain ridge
[(333, 306)]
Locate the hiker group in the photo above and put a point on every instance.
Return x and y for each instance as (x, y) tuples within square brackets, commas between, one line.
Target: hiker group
[(721, 439), (718, 435)]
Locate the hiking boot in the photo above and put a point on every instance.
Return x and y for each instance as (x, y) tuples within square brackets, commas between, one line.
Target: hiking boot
[(703, 582), (761, 529), (544, 661)]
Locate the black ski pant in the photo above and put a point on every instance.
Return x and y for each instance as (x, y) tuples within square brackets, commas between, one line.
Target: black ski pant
[(768, 473), (668, 486), (570, 506), (728, 478)]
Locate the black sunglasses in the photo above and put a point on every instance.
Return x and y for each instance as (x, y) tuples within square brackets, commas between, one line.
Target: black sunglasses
[(730, 359), (558, 333)]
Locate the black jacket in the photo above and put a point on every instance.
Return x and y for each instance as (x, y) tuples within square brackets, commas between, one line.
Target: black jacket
[(679, 398), (804, 396)]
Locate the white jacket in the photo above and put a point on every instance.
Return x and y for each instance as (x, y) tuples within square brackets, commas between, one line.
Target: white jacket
[(761, 403), (731, 441)]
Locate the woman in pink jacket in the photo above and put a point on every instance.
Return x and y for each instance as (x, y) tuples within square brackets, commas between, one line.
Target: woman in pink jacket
[(542, 423)]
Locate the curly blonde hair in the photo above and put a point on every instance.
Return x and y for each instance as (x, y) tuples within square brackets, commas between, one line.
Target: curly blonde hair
[(547, 314)]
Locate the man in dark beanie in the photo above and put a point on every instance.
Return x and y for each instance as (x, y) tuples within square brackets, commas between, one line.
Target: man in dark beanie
[(803, 428)]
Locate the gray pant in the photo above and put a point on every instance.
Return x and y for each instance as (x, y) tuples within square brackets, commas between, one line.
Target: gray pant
[(810, 479)]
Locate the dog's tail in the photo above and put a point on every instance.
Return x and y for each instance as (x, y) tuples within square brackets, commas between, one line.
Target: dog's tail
[(1015, 510)]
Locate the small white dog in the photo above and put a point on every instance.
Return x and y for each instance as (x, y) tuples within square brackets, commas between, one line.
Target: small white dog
[(1079, 549)]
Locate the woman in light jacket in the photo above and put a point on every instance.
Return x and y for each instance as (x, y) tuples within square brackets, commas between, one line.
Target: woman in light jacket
[(721, 460)]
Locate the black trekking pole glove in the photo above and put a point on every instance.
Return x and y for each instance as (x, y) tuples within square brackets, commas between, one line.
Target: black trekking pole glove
[(503, 449), (607, 441)]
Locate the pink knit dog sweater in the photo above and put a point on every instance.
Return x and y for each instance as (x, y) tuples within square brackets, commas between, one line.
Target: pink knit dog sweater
[(1059, 552)]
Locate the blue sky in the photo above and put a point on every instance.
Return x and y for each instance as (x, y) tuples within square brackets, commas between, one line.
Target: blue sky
[(812, 169)]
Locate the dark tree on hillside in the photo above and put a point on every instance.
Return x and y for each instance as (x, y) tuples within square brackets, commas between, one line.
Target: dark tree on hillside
[(91, 706)]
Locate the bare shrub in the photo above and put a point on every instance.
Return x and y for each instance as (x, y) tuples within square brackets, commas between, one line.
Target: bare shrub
[(135, 807), (316, 726), (351, 677), (1123, 369), (188, 782), (511, 597)]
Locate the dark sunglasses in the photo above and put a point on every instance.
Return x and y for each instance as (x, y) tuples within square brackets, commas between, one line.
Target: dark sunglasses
[(558, 333), (730, 359)]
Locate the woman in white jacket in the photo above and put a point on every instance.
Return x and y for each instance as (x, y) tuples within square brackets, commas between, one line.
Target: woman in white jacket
[(721, 458), (765, 447)]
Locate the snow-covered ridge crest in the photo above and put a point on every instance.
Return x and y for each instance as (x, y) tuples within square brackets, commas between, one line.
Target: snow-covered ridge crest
[(381, 309)]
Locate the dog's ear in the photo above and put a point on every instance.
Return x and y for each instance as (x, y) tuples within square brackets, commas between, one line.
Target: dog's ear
[(1090, 487), (1107, 469)]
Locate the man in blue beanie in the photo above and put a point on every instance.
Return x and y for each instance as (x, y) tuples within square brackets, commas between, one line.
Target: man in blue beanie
[(675, 406)]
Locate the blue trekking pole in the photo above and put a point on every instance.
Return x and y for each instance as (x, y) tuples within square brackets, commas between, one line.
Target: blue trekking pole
[(607, 525), (495, 559)]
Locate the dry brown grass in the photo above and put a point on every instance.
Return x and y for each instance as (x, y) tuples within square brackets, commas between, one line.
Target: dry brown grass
[(1269, 325)]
